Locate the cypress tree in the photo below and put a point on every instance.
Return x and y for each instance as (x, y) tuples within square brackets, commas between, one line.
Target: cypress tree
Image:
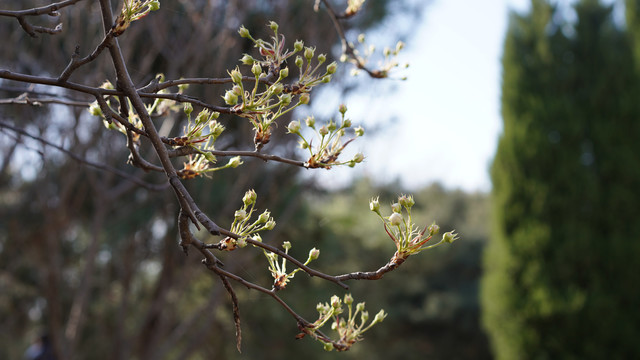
[(561, 266)]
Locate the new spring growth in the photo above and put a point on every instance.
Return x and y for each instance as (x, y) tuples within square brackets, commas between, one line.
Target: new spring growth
[(324, 151), (278, 269), (242, 225), (401, 229), (133, 10), (349, 323)]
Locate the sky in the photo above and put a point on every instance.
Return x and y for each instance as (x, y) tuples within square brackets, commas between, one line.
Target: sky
[(446, 115)]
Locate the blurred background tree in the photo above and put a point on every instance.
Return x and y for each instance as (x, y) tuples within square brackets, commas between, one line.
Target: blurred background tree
[(561, 265)]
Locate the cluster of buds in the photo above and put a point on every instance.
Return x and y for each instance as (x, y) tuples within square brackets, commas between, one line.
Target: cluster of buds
[(278, 268), (349, 325), (406, 236), (330, 141), (270, 98), (242, 225), (133, 10), (361, 58)]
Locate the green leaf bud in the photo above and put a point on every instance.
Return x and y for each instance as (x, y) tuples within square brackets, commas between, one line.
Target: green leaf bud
[(331, 68), (298, 45), (326, 79), (154, 5), (188, 108), (395, 219), (244, 32)]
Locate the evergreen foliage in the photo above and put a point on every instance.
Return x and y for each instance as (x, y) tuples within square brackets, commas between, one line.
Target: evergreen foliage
[(561, 266)]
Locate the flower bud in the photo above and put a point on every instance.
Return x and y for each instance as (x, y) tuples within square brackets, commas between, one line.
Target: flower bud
[(285, 99), (234, 162), (348, 299), (322, 58), (346, 123), (331, 126), (328, 346), (284, 73), (303, 144), (310, 121), (433, 229), (240, 215), (249, 197), (237, 90), (257, 237), (361, 38), (216, 128), (230, 98), (277, 88), (406, 201), (305, 98), (188, 108), (331, 68), (256, 69), (294, 127), (379, 316), (270, 224), (286, 246), (364, 315), (299, 61), (359, 131), (264, 217), (357, 158), (94, 109), (386, 51), (210, 157), (335, 301), (298, 45), (308, 52), (241, 242), (399, 46), (450, 237), (374, 205), (247, 59), (274, 26), (323, 131), (395, 219), (203, 116), (236, 76), (396, 207), (244, 32), (326, 79), (314, 254), (360, 307)]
